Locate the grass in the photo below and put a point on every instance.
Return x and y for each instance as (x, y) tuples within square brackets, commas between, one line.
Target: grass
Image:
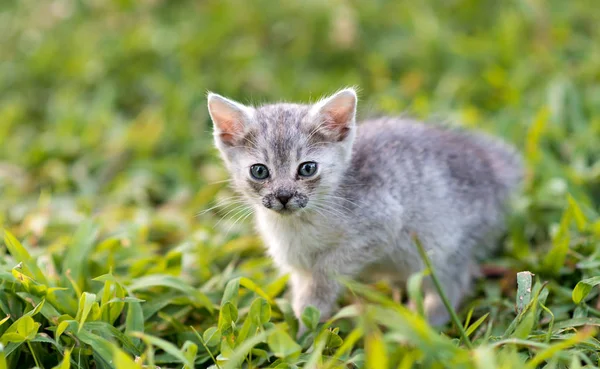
[(106, 161)]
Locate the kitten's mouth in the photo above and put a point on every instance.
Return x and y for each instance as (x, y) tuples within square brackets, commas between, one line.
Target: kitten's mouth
[(285, 211)]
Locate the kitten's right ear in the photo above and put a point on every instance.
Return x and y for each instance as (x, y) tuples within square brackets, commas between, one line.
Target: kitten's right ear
[(229, 118), (337, 113)]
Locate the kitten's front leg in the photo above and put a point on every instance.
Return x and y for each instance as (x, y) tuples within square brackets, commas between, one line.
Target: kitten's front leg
[(314, 288)]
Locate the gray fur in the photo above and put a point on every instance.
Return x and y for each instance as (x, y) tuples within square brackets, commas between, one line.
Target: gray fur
[(377, 184)]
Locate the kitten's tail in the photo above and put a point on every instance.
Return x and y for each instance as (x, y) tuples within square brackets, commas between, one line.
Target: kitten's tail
[(506, 162), (509, 171)]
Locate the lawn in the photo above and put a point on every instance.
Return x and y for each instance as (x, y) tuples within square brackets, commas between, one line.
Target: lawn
[(119, 253)]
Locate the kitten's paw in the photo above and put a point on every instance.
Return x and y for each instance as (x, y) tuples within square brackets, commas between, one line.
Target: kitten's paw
[(435, 310), (302, 329)]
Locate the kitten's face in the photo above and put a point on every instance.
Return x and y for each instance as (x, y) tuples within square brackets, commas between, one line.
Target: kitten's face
[(286, 157)]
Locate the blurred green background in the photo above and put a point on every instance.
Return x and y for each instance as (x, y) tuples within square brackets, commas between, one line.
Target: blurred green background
[(103, 116), (102, 103)]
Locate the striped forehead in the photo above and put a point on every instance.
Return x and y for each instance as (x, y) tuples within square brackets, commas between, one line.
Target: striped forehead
[(281, 132)]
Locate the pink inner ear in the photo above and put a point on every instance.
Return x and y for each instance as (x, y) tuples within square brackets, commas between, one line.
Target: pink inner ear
[(338, 116), (227, 138), (229, 129), (337, 124), (227, 122)]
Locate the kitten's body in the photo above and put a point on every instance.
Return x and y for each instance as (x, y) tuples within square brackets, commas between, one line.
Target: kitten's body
[(396, 178)]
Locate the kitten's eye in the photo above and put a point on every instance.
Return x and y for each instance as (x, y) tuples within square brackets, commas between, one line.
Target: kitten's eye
[(307, 169), (259, 171)]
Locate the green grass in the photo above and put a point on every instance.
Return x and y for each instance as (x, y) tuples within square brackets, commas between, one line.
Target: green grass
[(106, 160)]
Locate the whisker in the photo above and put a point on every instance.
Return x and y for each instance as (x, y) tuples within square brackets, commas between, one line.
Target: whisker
[(329, 209), (237, 209), (230, 198), (222, 202), (221, 181), (345, 199), (333, 204), (317, 210), (243, 216), (336, 207), (327, 213), (336, 201), (247, 215)]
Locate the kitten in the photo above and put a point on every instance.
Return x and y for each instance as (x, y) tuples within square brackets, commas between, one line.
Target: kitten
[(333, 198)]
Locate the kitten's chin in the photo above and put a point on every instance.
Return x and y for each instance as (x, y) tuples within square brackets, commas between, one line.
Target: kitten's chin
[(286, 211)]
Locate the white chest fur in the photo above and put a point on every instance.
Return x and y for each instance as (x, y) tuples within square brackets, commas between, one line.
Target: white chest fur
[(295, 241)]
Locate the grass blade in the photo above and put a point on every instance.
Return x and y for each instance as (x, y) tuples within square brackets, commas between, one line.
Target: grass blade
[(442, 294)]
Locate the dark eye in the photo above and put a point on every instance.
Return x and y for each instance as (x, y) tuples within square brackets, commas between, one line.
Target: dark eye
[(259, 171), (307, 169)]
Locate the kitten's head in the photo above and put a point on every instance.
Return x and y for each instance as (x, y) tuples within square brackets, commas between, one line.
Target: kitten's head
[(286, 157)]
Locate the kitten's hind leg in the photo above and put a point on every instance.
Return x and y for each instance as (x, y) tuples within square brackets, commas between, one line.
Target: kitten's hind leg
[(456, 285)]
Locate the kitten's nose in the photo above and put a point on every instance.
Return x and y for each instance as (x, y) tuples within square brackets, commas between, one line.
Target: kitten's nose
[(284, 197)]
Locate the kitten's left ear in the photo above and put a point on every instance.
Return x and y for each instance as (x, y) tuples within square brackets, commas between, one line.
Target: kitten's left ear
[(337, 113)]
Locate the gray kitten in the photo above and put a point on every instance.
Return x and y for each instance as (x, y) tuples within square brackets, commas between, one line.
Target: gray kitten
[(333, 198)]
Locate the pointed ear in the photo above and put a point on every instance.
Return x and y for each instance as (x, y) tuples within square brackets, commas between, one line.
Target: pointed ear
[(337, 113), (229, 118)]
